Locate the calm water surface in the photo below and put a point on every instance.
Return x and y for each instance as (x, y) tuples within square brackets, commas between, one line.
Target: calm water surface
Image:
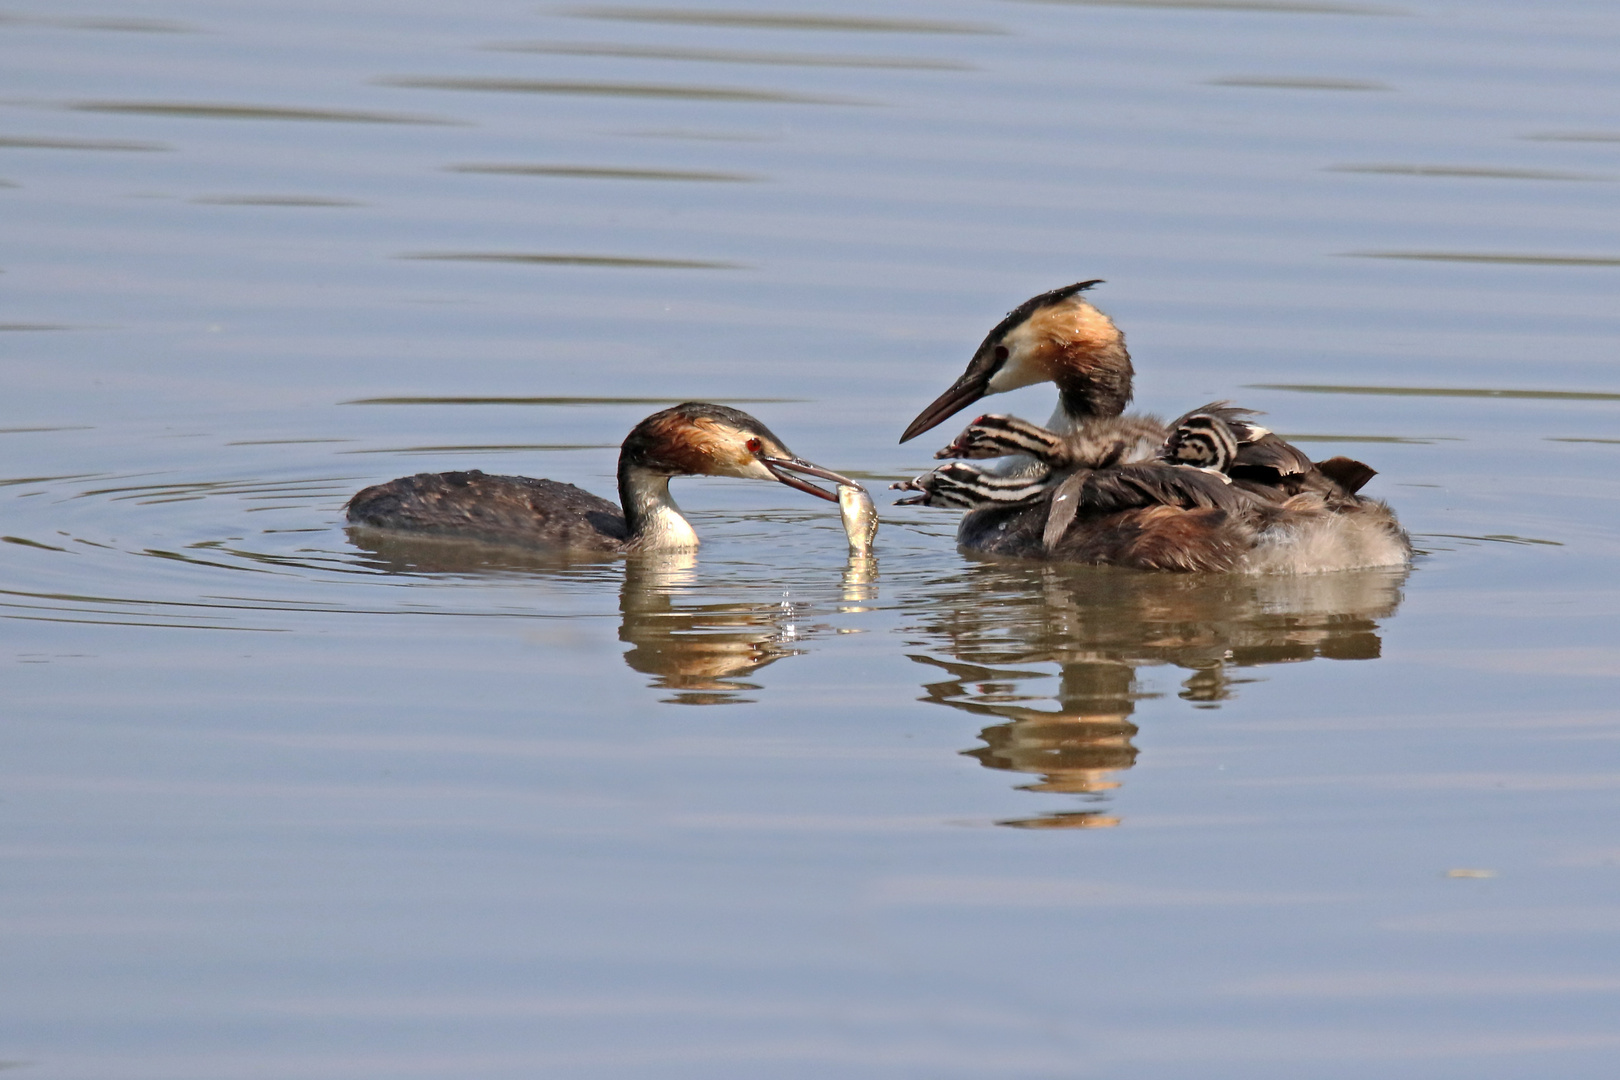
[(280, 801)]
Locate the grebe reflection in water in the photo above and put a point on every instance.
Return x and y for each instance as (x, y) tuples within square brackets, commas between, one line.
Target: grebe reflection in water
[(1053, 659), (698, 647), (994, 635), (694, 439)]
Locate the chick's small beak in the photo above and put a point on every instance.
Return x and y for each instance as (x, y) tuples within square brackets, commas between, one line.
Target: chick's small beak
[(784, 469), (973, 385)]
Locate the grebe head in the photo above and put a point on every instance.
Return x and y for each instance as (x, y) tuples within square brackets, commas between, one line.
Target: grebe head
[(699, 439), (965, 487), (1055, 337), (1201, 440), (997, 436)]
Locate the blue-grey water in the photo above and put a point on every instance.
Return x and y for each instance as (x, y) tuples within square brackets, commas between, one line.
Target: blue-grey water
[(276, 801)]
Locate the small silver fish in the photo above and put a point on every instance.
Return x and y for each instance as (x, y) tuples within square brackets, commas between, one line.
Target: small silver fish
[(860, 518)]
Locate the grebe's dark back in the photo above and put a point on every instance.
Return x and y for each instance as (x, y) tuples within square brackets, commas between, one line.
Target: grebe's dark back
[(1184, 510)]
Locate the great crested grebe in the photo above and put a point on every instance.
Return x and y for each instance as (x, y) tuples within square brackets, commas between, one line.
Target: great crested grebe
[(694, 439), (1061, 338), (1212, 491)]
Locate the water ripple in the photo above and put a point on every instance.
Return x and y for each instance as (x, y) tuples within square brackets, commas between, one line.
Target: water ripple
[(208, 111), (37, 142), (618, 89), (754, 20), (697, 136), (1274, 7), (1505, 258), (1496, 538), (605, 172), (1302, 82), (273, 200), (493, 448), (117, 25), (1574, 136), (322, 487), (1467, 171), (573, 259), (729, 56), (283, 442), (1404, 440), (16, 481), (1440, 391), (25, 542)]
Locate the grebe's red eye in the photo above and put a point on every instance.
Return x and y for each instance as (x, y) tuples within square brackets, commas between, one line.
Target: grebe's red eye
[(1001, 352), (754, 446)]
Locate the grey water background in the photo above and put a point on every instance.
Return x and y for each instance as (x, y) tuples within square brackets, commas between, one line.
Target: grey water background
[(279, 802)]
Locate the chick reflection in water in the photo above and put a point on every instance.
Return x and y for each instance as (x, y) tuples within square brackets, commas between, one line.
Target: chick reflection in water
[(1101, 627)]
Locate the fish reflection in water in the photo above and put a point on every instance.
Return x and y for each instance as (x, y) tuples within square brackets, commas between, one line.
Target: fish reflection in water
[(1100, 626)]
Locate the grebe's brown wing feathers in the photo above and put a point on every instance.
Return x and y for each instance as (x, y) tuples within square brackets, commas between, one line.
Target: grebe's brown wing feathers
[(1134, 486), (1144, 538), (1269, 455), (1153, 483), (497, 509), (1161, 538), (1348, 473), (1158, 537), (1063, 506)]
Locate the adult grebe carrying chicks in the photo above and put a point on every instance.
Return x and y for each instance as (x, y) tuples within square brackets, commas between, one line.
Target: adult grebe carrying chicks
[(1212, 491), (694, 439)]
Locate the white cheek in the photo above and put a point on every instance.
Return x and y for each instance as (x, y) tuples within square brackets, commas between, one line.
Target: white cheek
[(1015, 373)]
